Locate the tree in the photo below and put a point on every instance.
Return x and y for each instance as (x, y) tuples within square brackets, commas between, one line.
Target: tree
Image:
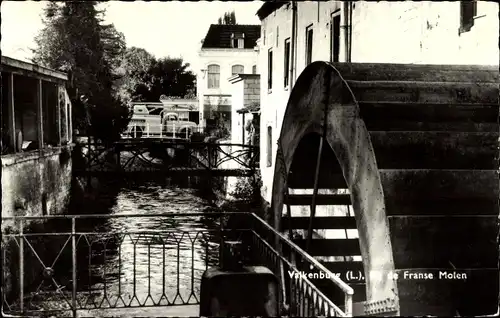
[(75, 40), (228, 18), (165, 76), (133, 69)]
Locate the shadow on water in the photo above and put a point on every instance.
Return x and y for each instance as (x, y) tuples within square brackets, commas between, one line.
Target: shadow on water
[(115, 257)]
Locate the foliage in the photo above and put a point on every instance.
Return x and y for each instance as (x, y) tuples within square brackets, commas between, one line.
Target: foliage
[(134, 65), (75, 40), (165, 76), (228, 18), (248, 188)]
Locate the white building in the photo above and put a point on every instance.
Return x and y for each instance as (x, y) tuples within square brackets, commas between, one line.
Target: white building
[(227, 50), (456, 32)]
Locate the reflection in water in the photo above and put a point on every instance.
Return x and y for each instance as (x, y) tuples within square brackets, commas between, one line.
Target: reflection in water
[(151, 259), (131, 261)]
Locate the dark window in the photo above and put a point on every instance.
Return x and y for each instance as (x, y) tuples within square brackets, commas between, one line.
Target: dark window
[(286, 68), (309, 44), (254, 69), (468, 10), (270, 69), (335, 38), (269, 146), (238, 40)]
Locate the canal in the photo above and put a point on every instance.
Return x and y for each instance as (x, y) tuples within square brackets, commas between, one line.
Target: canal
[(128, 261)]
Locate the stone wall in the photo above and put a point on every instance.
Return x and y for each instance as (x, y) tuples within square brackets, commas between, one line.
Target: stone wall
[(36, 183)]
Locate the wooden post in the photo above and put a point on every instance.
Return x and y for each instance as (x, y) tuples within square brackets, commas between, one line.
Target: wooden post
[(11, 113), (39, 113), (315, 193), (59, 118), (69, 119), (243, 129)]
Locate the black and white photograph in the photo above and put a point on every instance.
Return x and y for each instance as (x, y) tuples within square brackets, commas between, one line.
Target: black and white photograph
[(250, 158)]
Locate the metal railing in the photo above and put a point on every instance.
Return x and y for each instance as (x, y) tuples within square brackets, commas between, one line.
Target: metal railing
[(85, 265), (147, 155), (170, 131)]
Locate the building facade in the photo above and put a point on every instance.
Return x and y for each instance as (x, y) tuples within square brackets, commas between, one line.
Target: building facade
[(36, 140), (294, 34), (226, 50)]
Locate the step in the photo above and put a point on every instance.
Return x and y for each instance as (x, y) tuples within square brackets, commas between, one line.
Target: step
[(427, 184), (416, 72), (342, 267), (435, 150), (400, 125), (304, 179), (321, 199), (336, 295), (331, 247), (425, 92), (319, 222), (429, 112)]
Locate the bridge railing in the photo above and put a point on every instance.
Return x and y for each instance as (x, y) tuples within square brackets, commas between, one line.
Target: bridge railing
[(90, 263), (150, 155)]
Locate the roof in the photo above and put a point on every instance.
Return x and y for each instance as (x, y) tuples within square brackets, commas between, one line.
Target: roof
[(269, 7), (252, 108), (32, 70), (219, 35)]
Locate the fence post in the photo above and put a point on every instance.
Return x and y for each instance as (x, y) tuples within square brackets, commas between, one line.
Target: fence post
[(73, 251), (21, 265), (348, 305), (173, 129)]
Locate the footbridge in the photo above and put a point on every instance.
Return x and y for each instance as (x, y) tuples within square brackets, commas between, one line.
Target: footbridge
[(146, 158), (413, 152)]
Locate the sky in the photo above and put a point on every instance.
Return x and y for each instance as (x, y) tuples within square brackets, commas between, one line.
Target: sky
[(164, 29)]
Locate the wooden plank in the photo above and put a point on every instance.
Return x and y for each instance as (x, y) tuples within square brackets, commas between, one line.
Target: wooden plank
[(435, 150), (11, 112), (331, 247), (302, 181), (39, 113), (320, 222), (147, 174), (342, 267), (321, 199)]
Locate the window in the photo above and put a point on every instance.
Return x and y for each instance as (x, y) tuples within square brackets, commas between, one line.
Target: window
[(309, 44), (238, 40), (237, 69), (213, 76), (254, 69), (269, 146), (468, 10), (277, 36), (335, 37), (270, 69), (286, 68)]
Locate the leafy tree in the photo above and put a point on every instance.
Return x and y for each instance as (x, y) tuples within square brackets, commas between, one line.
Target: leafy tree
[(165, 76), (228, 18), (75, 40), (133, 69)]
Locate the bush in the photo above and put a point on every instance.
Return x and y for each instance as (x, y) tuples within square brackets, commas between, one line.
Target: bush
[(247, 189)]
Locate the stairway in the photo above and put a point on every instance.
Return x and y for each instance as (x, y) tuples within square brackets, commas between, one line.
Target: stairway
[(335, 241), (434, 131), (336, 245)]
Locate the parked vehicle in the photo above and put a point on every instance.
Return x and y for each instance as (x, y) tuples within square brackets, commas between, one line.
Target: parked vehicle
[(157, 121)]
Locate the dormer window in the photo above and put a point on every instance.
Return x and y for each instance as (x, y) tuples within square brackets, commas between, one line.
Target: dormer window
[(238, 40)]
